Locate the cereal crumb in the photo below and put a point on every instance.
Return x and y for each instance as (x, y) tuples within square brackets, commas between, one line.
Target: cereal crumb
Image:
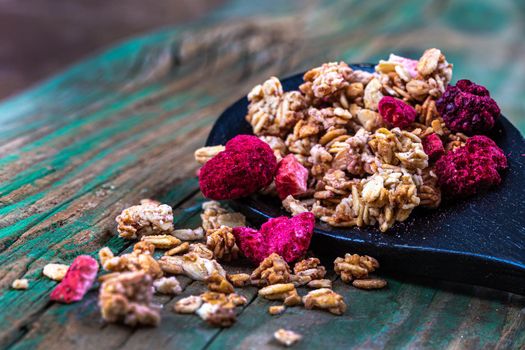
[(148, 218), (370, 283), (286, 337), (56, 272), (276, 309), (167, 285), (22, 283)]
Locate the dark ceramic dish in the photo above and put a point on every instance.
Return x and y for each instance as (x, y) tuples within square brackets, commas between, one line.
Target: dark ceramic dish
[(479, 240)]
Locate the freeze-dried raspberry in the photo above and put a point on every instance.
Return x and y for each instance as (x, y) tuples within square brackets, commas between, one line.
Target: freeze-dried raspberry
[(79, 278), (433, 146), (247, 165), (472, 168), (468, 108), (396, 113), (291, 177), (288, 237)]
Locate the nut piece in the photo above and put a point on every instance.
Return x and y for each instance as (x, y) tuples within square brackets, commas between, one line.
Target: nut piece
[(214, 216), (272, 270), (188, 234), (148, 218), (276, 309), (171, 264), (199, 268), (203, 154), (287, 338), (167, 285), (324, 283), (310, 267), (325, 299), (239, 279), (22, 283), (284, 291), (355, 267), (56, 272), (127, 298), (216, 315), (201, 250), (222, 242), (370, 283), (183, 248), (188, 305), (138, 260), (219, 283), (162, 241), (237, 300)]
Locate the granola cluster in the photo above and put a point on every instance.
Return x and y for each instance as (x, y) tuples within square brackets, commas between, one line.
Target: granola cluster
[(361, 138)]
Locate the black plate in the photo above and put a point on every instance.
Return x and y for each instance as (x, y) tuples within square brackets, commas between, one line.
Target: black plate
[(480, 240)]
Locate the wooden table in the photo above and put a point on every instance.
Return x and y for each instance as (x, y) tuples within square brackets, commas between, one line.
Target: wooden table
[(77, 149)]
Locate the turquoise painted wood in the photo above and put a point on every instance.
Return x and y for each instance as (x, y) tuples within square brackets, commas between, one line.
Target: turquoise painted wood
[(122, 125)]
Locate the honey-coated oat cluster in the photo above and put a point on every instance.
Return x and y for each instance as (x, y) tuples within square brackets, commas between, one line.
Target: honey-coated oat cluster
[(369, 141)]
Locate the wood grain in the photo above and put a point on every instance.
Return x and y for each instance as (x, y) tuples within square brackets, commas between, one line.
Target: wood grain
[(122, 126)]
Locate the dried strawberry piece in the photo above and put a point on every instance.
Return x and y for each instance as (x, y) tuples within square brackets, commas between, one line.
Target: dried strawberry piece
[(433, 146), (468, 108), (244, 167), (291, 177), (396, 113), (288, 237), (472, 168), (77, 281)]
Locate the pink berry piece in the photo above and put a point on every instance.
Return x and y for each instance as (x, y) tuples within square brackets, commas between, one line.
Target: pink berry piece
[(77, 281), (468, 108), (244, 167), (396, 113), (433, 146), (291, 178), (472, 168), (288, 237)]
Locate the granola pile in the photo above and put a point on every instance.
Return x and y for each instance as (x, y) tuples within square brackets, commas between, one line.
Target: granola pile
[(360, 149)]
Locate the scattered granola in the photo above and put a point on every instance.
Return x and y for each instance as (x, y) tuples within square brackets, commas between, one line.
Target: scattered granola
[(311, 268), (354, 266), (276, 309), (325, 299), (162, 241), (181, 249), (217, 316), (219, 283), (239, 279), (369, 283), (148, 218), (21, 283), (214, 216), (200, 268), (322, 283), (167, 285), (201, 250), (188, 234), (203, 154), (222, 242), (271, 270), (188, 305), (127, 298), (56, 272), (140, 259), (286, 337)]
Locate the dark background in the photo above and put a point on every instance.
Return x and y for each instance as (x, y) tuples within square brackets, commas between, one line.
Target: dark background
[(41, 37)]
